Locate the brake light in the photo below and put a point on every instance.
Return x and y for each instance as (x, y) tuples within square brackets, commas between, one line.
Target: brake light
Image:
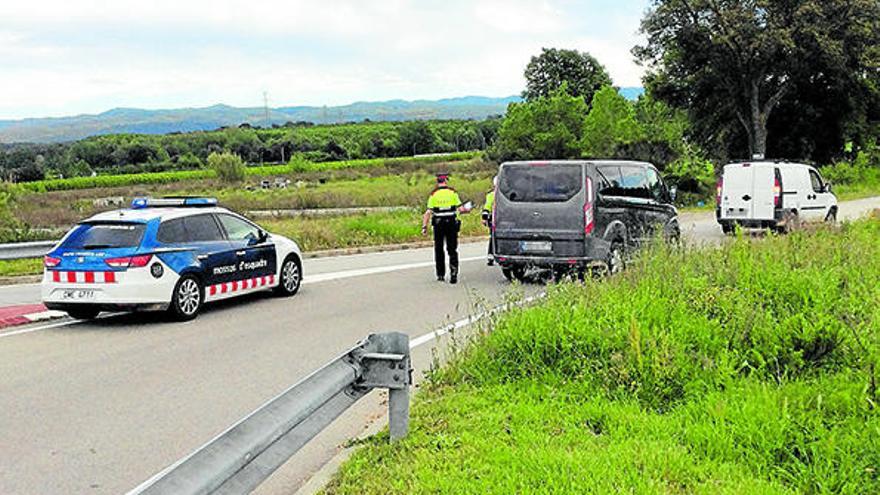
[(494, 205), (777, 189), (589, 219), (138, 261), (51, 262), (718, 186)]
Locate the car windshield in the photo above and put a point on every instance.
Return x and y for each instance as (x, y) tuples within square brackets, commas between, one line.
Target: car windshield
[(540, 183), (105, 235)]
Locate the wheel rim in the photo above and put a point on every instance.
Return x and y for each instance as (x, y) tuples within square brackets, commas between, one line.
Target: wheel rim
[(188, 297), (290, 276), (615, 260)]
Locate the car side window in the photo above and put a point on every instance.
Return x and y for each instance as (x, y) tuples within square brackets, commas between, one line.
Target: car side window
[(238, 229), (202, 228), (634, 182), (171, 231), (816, 181)]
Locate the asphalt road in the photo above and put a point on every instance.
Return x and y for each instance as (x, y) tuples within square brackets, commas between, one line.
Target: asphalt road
[(99, 407)]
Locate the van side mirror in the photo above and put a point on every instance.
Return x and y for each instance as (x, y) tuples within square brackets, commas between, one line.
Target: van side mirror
[(827, 187), (673, 193)]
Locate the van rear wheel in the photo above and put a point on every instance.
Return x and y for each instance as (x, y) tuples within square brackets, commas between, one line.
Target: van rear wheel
[(514, 273), (616, 261)]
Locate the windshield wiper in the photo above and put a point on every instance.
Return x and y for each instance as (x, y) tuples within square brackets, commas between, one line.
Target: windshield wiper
[(97, 246)]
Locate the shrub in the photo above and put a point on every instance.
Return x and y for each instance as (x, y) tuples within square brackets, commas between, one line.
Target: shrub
[(229, 167)]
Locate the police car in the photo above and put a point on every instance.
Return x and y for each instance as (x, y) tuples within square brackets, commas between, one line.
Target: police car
[(171, 254)]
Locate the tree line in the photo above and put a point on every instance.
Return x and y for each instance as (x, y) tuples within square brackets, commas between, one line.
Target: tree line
[(135, 153)]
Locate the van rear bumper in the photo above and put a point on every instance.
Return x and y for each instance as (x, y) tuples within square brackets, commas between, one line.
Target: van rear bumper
[(758, 223), (590, 251)]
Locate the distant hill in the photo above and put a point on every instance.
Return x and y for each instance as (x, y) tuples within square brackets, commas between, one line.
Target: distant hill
[(134, 120)]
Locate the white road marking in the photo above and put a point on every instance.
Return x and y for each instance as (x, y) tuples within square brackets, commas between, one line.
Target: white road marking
[(323, 277), (359, 272), (41, 327), (424, 339)]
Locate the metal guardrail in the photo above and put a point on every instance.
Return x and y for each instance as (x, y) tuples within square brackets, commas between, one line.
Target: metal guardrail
[(242, 457), (23, 250)]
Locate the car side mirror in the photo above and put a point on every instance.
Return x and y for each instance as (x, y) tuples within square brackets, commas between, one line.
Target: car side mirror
[(262, 236), (673, 193), (827, 187)]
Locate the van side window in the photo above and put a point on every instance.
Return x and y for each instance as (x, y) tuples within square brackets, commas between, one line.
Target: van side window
[(634, 182), (816, 181), (610, 183), (655, 184)]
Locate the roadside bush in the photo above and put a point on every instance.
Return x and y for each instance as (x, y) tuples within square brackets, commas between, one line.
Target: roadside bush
[(229, 167), (749, 368)]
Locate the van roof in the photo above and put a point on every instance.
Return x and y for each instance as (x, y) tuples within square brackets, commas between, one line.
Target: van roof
[(768, 163), (577, 162)]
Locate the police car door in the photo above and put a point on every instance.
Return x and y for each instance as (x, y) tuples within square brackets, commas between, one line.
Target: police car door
[(198, 236), (256, 257)]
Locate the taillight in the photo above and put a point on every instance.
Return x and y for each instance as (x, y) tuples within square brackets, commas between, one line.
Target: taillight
[(777, 189), (51, 262), (718, 186), (138, 261), (494, 205), (589, 220)]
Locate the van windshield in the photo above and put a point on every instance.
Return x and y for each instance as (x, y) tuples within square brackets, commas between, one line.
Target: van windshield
[(105, 235), (540, 183)]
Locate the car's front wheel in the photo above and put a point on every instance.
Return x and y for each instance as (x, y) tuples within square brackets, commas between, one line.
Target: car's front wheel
[(187, 299), (83, 313), (291, 277)]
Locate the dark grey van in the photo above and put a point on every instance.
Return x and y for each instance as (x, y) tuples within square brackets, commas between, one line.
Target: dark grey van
[(576, 215)]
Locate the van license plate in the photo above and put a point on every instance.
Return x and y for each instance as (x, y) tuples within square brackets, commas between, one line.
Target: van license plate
[(536, 246), (77, 295)]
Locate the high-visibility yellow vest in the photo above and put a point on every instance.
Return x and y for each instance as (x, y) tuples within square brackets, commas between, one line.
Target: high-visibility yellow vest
[(444, 202), (490, 201)]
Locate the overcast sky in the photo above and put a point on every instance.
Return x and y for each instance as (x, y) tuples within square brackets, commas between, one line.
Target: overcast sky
[(64, 57)]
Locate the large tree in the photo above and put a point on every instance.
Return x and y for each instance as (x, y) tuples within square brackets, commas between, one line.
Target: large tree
[(741, 60), (544, 128), (582, 74)]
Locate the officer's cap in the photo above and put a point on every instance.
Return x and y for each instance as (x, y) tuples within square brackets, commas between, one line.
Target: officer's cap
[(442, 176)]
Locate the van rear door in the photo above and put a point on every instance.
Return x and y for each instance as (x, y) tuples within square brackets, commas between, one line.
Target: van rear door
[(540, 210), (747, 192)]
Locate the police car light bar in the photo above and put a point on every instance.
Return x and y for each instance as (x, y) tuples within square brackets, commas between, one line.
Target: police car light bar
[(139, 203)]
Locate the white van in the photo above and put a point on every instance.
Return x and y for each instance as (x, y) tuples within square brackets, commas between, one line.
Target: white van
[(774, 195)]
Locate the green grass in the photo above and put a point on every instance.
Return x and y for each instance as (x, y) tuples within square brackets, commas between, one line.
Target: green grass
[(149, 178), (747, 368), (14, 268)]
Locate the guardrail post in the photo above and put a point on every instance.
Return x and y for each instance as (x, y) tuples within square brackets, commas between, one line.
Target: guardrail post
[(391, 369)]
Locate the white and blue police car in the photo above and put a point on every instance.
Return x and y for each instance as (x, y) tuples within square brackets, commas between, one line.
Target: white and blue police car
[(171, 254)]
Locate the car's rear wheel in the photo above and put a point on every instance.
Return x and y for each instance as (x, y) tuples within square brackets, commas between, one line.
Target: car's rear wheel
[(291, 277), (83, 313), (512, 273), (728, 228), (187, 299)]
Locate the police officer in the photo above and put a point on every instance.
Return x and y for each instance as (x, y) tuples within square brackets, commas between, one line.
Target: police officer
[(487, 218), (444, 205)]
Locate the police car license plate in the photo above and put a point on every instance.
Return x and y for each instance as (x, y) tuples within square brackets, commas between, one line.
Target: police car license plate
[(536, 246), (77, 294)]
